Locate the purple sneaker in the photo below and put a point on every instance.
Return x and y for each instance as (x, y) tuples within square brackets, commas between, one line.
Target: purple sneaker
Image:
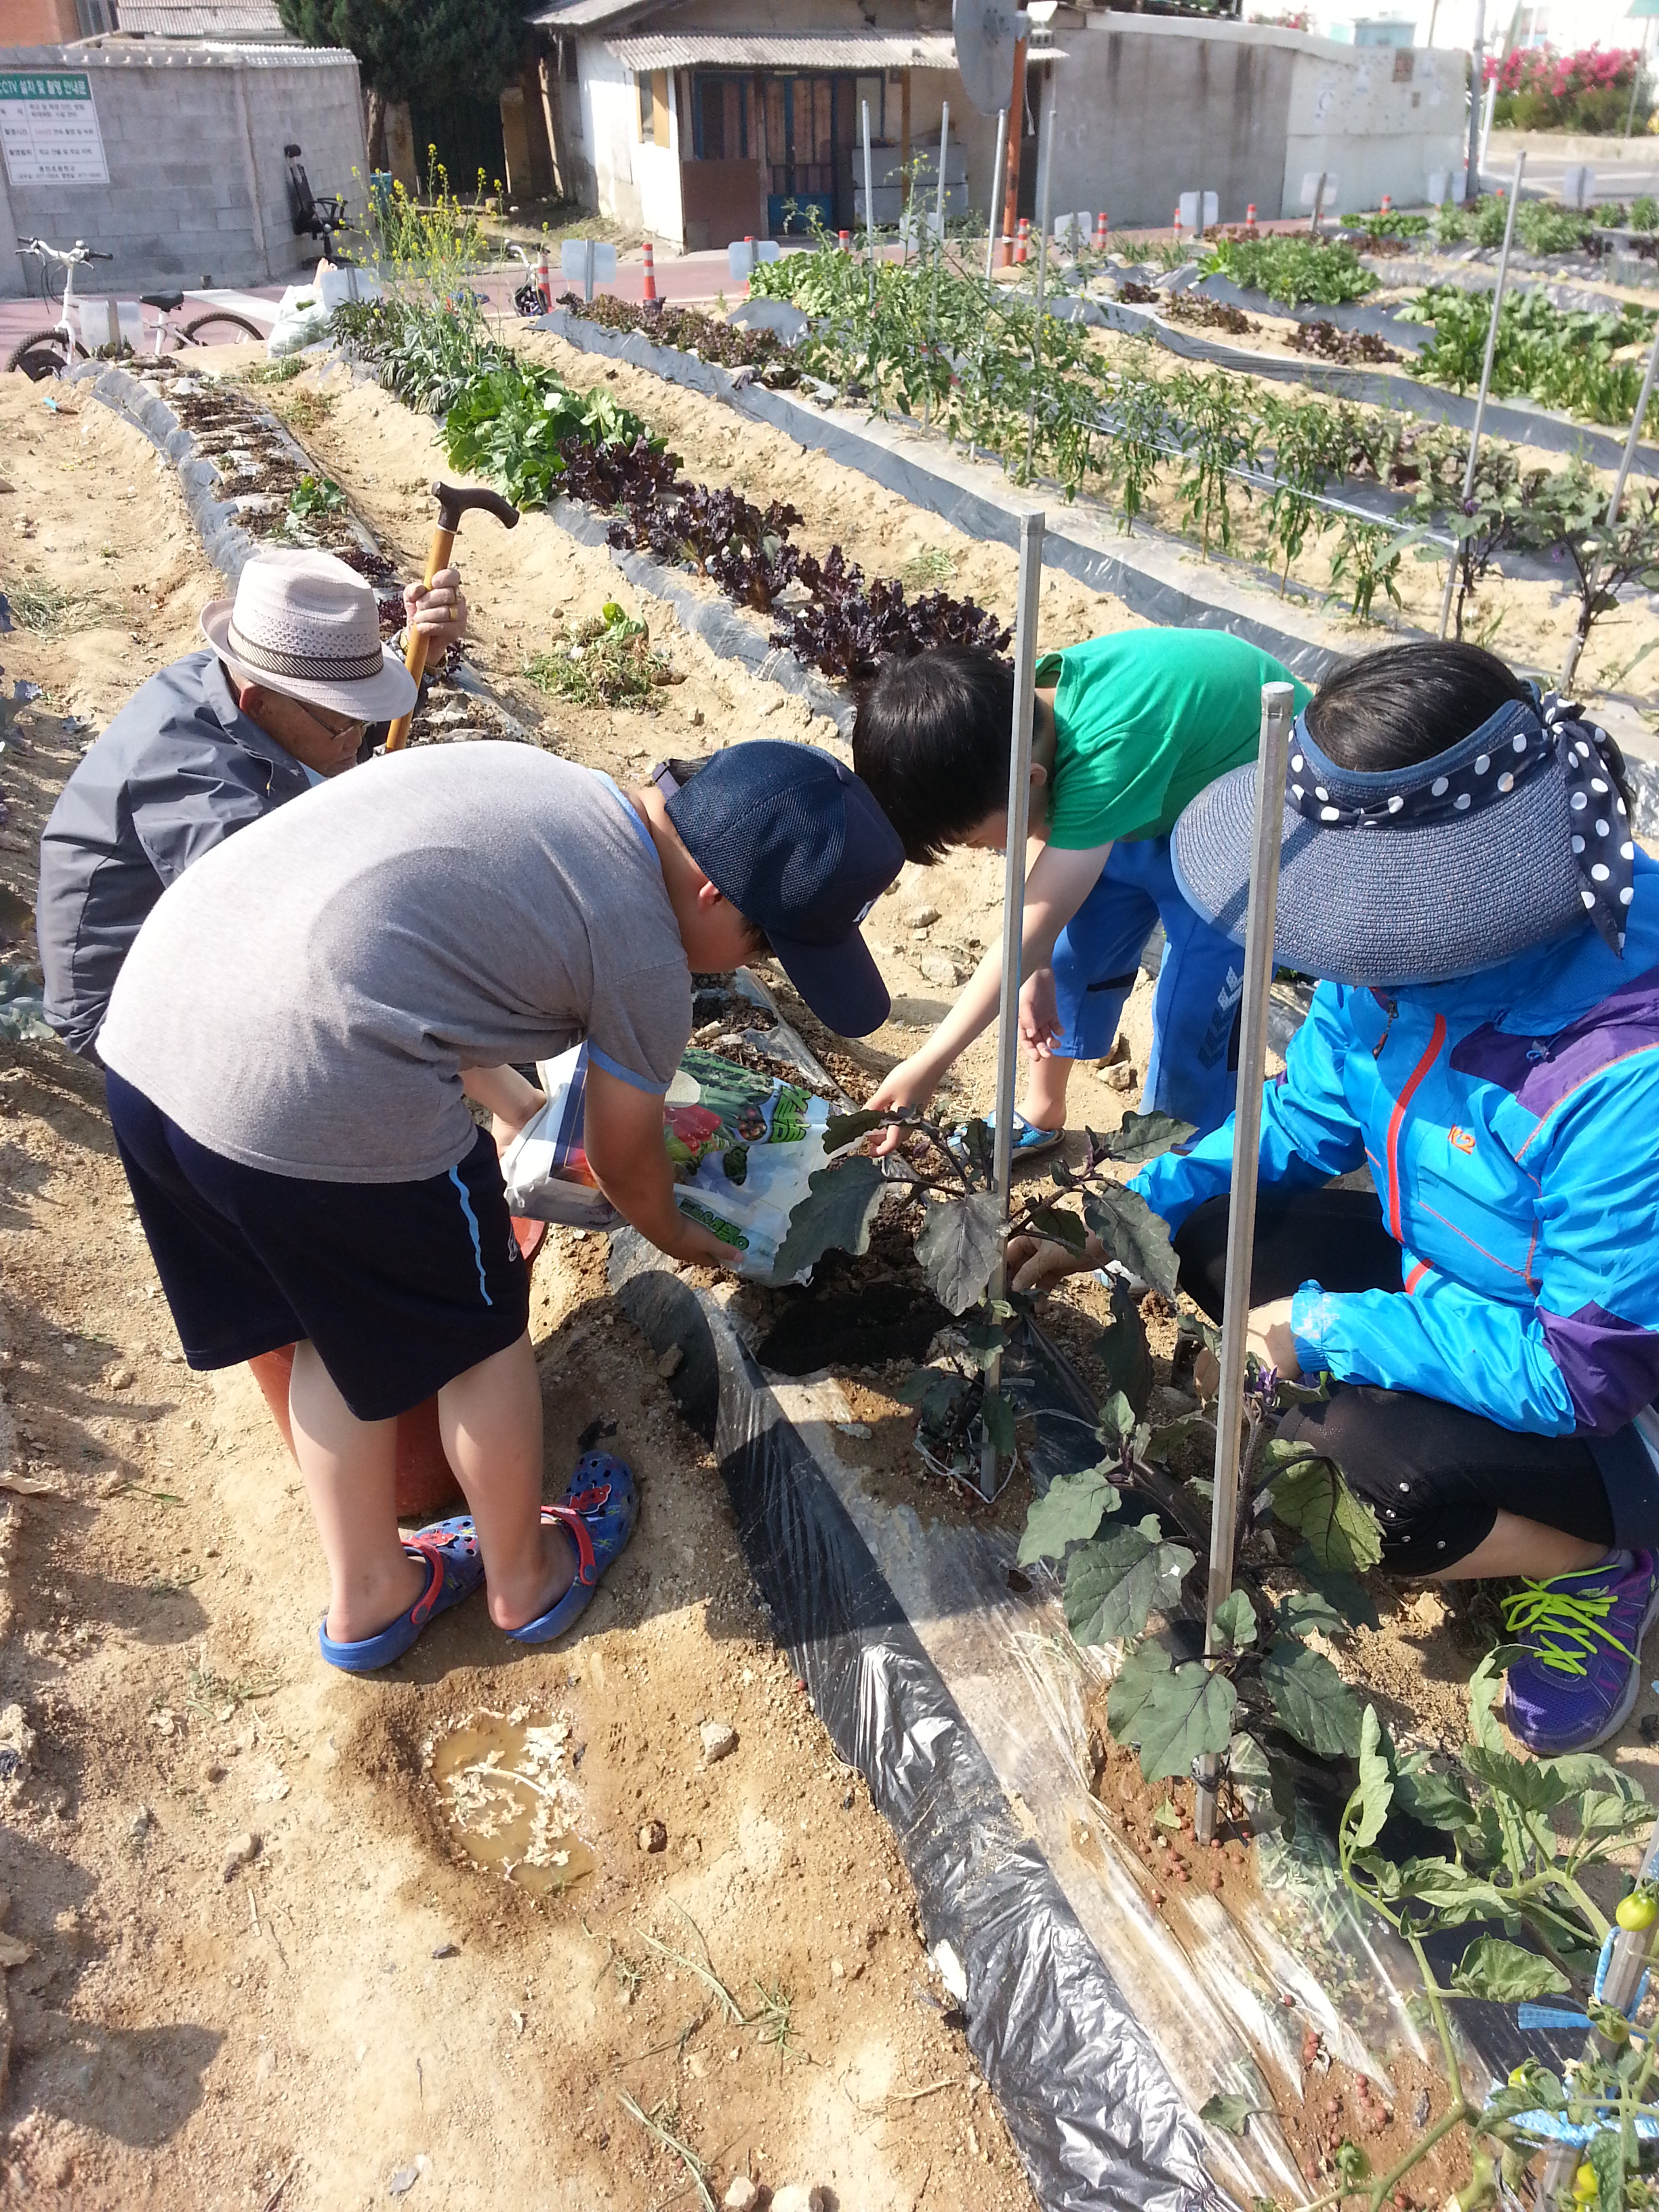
[(1585, 1631)]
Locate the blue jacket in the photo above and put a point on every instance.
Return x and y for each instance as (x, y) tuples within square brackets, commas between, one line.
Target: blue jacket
[(1510, 1122), (177, 771)]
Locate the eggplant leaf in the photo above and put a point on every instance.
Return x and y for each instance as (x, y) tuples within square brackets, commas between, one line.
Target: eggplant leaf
[(997, 1414), (1133, 1234), (1343, 1533), (1229, 2111), (1235, 1621), (1313, 1702), (1172, 1714), (1144, 1137), (1113, 1585), (1123, 1352), (843, 1129), (1342, 1593), (835, 1215), (958, 1247), (1071, 1511)]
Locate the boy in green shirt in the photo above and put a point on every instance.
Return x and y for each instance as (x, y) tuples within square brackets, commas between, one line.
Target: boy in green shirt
[(1128, 729)]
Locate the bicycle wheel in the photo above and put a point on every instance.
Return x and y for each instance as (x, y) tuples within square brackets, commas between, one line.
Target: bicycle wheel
[(220, 328), (44, 353)]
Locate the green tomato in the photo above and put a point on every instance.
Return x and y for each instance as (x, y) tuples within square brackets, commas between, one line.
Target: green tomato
[(1637, 1910)]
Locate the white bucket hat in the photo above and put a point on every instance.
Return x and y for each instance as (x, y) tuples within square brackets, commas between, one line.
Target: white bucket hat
[(306, 625)]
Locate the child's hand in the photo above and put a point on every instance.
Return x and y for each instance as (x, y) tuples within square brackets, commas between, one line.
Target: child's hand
[(912, 1082), (1039, 1014)]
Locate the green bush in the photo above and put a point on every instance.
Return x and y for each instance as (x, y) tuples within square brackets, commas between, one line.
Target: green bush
[(1544, 227), (510, 420), (1644, 213), (1294, 270)]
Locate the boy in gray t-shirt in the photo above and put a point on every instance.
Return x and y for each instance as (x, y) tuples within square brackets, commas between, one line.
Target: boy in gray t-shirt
[(291, 1045)]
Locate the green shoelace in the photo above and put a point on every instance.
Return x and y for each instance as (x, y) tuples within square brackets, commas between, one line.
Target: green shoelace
[(1565, 1628)]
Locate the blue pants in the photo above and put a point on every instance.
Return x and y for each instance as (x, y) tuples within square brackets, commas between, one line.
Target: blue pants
[(1192, 1072)]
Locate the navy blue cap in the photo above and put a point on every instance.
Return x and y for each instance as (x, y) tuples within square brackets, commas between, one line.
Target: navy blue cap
[(798, 845)]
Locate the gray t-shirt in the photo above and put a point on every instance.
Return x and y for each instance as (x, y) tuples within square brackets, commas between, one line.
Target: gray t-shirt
[(304, 997)]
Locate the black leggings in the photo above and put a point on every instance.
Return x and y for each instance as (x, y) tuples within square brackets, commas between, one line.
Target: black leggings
[(1435, 1475)]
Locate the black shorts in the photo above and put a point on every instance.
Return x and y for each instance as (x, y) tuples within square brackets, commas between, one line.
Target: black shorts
[(401, 1286), (1436, 1475)]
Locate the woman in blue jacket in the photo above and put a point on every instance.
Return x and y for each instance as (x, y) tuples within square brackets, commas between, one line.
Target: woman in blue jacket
[(1458, 863)]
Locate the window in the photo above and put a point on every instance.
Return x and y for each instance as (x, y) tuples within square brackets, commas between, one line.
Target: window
[(720, 112), (654, 107), (568, 49), (1531, 28), (94, 16)]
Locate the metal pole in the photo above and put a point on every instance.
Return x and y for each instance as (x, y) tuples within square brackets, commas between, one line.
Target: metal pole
[(1628, 456), (1278, 712), (1031, 527), (1000, 166), (1472, 170), (938, 261), (869, 201), (1486, 121), (1050, 104), (1486, 376), (588, 271), (1313, 220), (1636, 81)]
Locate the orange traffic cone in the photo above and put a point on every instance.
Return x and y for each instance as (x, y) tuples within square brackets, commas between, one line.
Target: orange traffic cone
[(1177, 222), (1022, 244), (648, 292), (1100, 232), (544, 283), (1249, 218), (845, 238), (1388, 204)]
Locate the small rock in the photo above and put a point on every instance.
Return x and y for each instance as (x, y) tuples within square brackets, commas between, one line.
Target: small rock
[(404, 2180), (719, 1741), (671, 1362), (213, 1773), (937, 969), (1122, 1077), (1420, 2110), (16, 1742), (742, 2195), (837, 1972), (798, 2197), (697, 718), (141, 1822), (447, 1951), (654, 1836), (858, 1430), (921, 917), (121, 1379), (243, 1850)]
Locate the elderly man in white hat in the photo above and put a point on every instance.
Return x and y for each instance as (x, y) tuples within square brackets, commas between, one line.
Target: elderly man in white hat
[(292, 681)]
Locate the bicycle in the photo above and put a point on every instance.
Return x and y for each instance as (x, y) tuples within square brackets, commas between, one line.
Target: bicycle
[(54, 352)]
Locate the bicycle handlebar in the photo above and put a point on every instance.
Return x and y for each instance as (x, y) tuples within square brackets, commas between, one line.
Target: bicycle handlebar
[(77, 253)]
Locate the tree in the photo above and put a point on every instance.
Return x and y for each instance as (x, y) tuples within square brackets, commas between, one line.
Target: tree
[(416, 49)]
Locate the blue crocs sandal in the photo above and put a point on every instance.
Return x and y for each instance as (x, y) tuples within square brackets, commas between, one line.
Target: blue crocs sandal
[(1030, 1142), (601, 1504), (455, 1570)]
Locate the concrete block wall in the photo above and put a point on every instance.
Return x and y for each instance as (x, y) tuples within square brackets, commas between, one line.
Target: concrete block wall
[(193, 138)]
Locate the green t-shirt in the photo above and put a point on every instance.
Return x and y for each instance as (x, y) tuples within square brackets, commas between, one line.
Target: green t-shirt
[(1143, 719)]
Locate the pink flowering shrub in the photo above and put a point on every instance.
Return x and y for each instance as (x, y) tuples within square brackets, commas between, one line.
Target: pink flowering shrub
[(1539, 90)]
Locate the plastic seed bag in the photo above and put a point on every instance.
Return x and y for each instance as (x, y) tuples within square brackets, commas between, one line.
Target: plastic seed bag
[(743, 1147)]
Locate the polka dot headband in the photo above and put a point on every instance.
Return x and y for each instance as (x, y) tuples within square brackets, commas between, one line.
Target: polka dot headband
[(1525, 739)]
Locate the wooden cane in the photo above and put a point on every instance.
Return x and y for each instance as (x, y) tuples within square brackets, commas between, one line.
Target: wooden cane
[(452, 503)]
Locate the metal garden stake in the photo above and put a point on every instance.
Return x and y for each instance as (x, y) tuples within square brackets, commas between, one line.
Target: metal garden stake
[(1486, 379), (998, 170), (869, 203), (1616, 501), (1050, 99), (1031, 527), (939, 258), (1278, 712)]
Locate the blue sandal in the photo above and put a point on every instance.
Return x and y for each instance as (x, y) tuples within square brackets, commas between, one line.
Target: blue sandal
[(1029, 1141), (455, 1570), (601, 1504)]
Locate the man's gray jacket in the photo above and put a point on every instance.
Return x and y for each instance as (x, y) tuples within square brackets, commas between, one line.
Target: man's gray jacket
[(179, 769)]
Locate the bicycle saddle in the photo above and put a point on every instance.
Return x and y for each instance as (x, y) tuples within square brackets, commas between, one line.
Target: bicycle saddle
[(166, 301)]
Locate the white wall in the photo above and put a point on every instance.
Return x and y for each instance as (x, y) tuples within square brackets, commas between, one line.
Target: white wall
[(610, 135), (193, 139), (1376, 131)]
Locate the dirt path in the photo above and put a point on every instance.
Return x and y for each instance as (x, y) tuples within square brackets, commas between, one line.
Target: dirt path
[(253, 1965)]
